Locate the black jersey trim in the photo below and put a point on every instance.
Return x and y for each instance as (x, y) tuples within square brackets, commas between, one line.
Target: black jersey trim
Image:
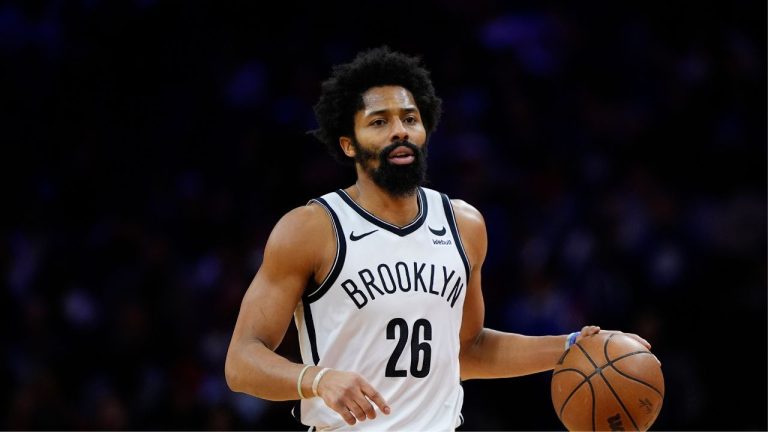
[(338, 260), (310, 323), (455, 232), (296, 411), (401, 231)]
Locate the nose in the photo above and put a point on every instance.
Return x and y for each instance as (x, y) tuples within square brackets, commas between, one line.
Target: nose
[(399, 133)]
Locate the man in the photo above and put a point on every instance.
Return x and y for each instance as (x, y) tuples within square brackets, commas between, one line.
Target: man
[(383, 277)]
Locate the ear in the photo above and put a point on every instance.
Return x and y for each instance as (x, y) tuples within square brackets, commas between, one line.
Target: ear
[(346, 146)]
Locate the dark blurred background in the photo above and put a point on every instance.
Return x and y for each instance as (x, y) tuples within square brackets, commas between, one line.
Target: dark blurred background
[(617, 151)]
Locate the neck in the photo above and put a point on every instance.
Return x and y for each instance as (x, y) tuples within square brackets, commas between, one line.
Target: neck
[(397, 210)]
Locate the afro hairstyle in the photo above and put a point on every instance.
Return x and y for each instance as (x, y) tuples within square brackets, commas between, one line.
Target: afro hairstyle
[(341, 94)]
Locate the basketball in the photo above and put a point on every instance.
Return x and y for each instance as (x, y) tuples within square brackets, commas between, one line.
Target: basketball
[(607, 381)]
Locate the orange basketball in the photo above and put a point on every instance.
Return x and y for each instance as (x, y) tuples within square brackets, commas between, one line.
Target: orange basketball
[(607, 381)]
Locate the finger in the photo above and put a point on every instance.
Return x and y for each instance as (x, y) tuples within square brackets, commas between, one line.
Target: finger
[(344, 413), (357, 411), (645, 343), (642, 341), (348, 417), (589, 330), (365, 405), (376, 398)]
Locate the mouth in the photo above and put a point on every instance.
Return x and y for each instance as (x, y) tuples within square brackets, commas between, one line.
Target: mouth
[(401, 155)]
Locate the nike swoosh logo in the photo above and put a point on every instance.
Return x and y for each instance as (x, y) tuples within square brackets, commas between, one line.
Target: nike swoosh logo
[(354, 237), (439, 232)]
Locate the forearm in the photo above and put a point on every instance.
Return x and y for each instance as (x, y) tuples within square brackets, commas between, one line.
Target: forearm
[(254, 369), (495, 354)]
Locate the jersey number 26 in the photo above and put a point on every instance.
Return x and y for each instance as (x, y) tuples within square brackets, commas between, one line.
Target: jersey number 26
[(421, 328)]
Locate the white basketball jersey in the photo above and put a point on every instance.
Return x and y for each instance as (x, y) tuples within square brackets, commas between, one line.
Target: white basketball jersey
[(390, 309)]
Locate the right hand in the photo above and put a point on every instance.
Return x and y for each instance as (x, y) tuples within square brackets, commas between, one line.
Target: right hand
[(350, 395)]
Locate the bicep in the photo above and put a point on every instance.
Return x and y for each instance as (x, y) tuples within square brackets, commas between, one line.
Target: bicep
[(267, 307)]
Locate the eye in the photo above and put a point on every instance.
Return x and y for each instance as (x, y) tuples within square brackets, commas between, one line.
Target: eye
[(410, 120), (378, 122)]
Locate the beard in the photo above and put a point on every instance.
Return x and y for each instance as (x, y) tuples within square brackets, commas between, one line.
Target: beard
[(397, 180)]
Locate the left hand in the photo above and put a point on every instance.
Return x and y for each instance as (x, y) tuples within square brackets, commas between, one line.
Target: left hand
[(590, 330)]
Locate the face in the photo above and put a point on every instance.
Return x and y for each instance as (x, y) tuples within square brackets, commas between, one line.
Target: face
[(390, 140)]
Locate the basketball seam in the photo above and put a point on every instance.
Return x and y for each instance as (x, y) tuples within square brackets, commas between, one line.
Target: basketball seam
[(630, 376), (621, 402), (609, 363), (592, 391), (586, 380), (575, 389), (586, 355), (608, 383)]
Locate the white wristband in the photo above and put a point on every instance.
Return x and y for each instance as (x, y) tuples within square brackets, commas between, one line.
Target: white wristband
[(298, 381), (316, 381)]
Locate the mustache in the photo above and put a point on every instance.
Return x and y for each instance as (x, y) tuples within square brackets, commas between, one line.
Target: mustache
[(385, 152)]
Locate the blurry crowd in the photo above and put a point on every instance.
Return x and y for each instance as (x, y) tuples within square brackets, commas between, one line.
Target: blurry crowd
[(618, 154)]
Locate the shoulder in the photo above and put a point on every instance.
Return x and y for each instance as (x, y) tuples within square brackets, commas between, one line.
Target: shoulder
[(300, 243), (465, 213), (300, 227), (312, 213), (467, 216)]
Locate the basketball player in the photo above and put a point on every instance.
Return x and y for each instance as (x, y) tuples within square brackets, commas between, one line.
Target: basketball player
[(383, 278)]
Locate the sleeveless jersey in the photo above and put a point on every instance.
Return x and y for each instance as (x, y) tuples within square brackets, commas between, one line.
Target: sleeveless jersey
[(390, 309)]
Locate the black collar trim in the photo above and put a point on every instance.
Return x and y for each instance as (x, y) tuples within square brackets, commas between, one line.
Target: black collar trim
[(421, 199)]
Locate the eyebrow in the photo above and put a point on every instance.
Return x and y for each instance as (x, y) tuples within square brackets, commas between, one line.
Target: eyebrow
[(384, 111)]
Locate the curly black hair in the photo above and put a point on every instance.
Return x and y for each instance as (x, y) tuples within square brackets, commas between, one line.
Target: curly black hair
[(341, 94)]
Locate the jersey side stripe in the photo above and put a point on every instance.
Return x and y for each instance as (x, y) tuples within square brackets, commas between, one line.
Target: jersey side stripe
[(311, 330), (338, 261), (455, 231)]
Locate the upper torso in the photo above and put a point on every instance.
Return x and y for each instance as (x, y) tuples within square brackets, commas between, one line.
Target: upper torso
[(390, 309)]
